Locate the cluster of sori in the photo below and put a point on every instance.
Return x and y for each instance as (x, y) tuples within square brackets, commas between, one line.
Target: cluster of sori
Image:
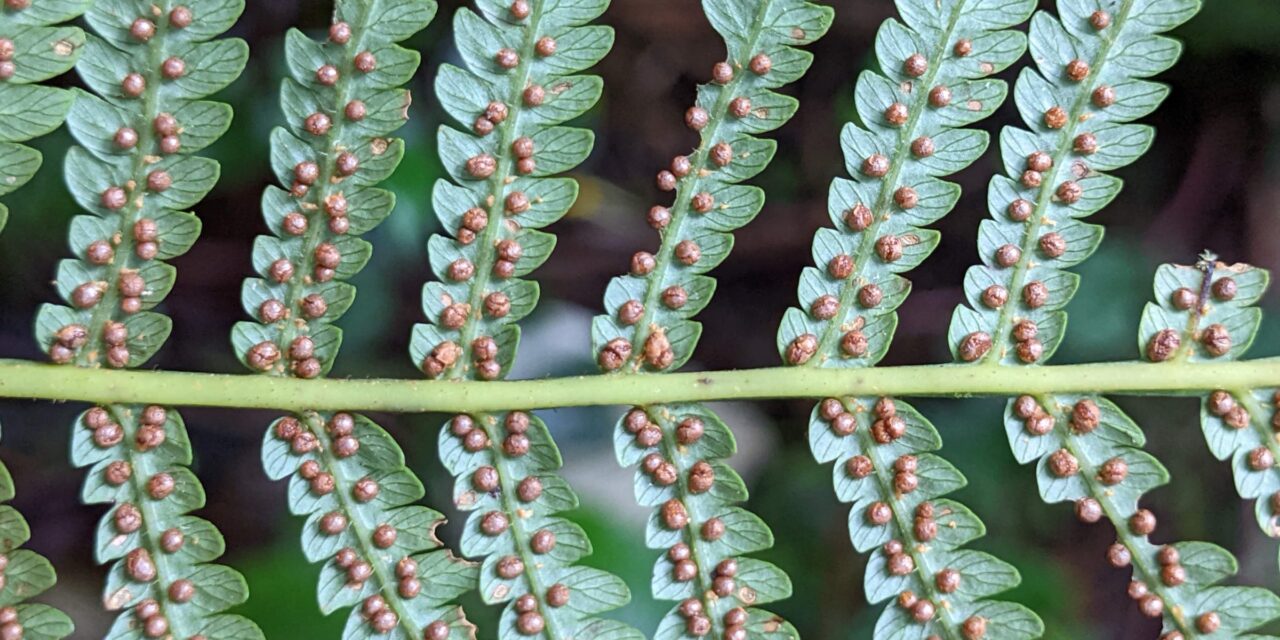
[(149, 67), (152, 63), (1078, 106), (34, 46), (680, 449), (934, 79), (342, 99)]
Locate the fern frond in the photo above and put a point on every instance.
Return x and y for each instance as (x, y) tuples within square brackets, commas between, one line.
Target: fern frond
[(138, 458), (518, 87), (885, 467), (25, 574), (1089, 87), (1077, 109), (935, 79), (34, 46), (680, 449), (348, 477), (1205, 313), (516, 90), (505, 466), (134, 173), (1089, 452), (649, 327), (342, 100)]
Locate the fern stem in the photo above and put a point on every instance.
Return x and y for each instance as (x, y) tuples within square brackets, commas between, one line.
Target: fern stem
[(29, 380)]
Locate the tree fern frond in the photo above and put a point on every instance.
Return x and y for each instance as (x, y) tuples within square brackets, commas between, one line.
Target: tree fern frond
[(380, 553), (649, 327), (34, 47), (342, 101), (520, 82), (680, 449), (518, 86), (885, 467), (505, 465), (25, 575), (1089, 452), (150, 66), (1089, 87), (935, 79), (138, 458), (1205, 313), (1077, 107)]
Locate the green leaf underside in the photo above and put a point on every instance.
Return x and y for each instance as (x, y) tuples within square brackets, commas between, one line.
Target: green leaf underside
[(378, 552), (877, 218), (750, 28), (316, 227), (109, 243), (1239, 424), (461, 315), (26, 574), (518, 86), (685, 474), (498, 460), (138, 456), (926, 532), (1096, 447), (649, 316), (369, 492), (848, 316), (42, 49), (1060, 114), (493, 219), (154, 544), (1089, 86)]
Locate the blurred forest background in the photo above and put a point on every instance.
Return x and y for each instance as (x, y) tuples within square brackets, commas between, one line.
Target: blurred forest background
[(1211, 181)]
